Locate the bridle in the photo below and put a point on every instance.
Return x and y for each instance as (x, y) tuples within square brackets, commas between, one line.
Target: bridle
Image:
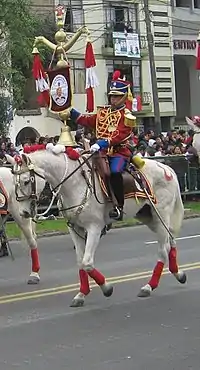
[(29, 167), (32, 196)]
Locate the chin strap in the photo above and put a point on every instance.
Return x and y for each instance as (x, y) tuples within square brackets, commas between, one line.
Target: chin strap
[(121, 101)]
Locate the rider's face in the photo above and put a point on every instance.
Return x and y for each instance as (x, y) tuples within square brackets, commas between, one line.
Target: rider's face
[(115, 99)]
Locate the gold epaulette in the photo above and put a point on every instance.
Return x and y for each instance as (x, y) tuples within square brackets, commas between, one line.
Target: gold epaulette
[(129, 118)]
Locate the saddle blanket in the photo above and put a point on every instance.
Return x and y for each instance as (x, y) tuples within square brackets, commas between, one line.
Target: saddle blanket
[(132, 188)]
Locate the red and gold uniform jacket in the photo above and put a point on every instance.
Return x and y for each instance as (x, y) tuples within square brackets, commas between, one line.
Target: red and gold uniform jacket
[(113, 125)]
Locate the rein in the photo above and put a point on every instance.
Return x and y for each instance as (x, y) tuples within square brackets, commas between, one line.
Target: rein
[(72, 173)]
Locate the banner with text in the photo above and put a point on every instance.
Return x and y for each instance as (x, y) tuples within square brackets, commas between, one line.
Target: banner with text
[(126, 44)]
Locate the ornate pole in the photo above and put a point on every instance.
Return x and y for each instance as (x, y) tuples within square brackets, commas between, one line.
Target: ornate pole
[(59, 84)]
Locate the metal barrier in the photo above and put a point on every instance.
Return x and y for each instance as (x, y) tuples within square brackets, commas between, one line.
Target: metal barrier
[(187, 170)]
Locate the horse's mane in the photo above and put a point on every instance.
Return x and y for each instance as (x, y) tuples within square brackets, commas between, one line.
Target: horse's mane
[(55, 149)]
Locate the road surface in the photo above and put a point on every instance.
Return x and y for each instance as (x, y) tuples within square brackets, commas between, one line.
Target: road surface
[(39, 331)]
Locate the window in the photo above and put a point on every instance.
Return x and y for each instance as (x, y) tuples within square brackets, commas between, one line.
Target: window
[(164, 80), (197, 4), (74, 18), (161, 44), (129, 69), (163, 69), (119, 18), (78, 73), (183, 3)]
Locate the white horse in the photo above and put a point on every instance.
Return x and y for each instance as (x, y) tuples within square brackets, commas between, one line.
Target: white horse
[(195, 126), (26, 226), (87, 210)]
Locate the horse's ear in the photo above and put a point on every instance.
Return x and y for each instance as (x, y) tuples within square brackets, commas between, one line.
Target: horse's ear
[(190, 122), (10, 159)]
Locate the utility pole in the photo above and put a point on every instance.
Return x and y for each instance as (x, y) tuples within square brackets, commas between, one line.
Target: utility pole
[(158, 127)]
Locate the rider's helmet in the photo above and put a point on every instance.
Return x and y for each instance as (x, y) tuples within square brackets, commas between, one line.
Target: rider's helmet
[(118, 86)]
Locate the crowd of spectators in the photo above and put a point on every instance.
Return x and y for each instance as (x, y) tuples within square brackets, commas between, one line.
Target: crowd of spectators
[(175, 142), (173, 148)]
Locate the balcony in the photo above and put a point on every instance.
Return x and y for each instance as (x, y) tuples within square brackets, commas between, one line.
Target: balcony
[(146, 103), (108, 50)]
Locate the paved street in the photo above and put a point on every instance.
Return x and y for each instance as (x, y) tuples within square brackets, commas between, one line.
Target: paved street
[(39, 331)]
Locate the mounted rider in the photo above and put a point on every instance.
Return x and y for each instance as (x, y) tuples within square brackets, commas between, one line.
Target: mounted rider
[(113, 125)]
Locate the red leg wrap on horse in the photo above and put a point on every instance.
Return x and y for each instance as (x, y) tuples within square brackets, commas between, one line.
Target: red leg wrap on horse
[(84, 282), (173, 267), (97, 276), (35, 260), (157, 272)]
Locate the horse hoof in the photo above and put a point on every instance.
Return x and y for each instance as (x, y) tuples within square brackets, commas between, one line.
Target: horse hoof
[(33, 280), (145, 292), (183, 278), (77, 303), (107, 290)]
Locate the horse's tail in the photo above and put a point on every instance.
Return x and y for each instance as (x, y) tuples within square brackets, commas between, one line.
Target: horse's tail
[(177, 213)]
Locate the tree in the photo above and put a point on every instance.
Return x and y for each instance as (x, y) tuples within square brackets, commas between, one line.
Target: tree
[(18, 28), (4, 114)]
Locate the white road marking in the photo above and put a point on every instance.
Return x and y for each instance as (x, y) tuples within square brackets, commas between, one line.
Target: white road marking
[(181, 238)]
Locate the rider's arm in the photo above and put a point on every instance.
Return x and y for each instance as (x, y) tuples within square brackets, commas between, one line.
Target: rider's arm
[(86, 120)]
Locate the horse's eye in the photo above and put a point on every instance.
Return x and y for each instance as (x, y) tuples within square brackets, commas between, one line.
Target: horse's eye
[(26, 182)]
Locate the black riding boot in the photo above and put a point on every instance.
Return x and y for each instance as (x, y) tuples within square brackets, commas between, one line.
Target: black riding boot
[(3, 250), (117, 185)]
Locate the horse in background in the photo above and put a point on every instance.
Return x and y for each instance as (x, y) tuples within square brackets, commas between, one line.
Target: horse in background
[(7, 193)]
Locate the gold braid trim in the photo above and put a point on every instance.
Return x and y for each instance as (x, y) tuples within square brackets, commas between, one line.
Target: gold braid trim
[(107, 122)]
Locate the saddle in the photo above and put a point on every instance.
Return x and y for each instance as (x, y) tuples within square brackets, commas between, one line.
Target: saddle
[(134, 180)]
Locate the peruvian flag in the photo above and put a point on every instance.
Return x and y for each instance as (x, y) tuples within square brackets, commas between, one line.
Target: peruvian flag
[(137, 104), (41, 84), (91, 78)]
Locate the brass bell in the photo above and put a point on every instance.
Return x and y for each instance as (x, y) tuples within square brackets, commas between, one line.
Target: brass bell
[(66, 137)]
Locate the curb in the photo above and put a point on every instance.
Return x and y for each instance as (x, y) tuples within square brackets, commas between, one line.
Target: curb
[(115, 226)]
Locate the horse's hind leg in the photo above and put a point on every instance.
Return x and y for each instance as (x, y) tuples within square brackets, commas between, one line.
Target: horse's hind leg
[(163, 250), (173, 265), (26, 227), (78, 238)]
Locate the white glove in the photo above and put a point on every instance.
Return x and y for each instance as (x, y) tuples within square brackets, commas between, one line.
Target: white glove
[(94, 148)]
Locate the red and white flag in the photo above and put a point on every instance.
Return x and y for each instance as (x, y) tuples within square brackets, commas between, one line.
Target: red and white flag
[(41, 83), (91, 78)]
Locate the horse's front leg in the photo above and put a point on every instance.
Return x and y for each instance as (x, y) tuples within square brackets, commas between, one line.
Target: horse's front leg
[(180, 275), (93, 238), (26, 227), (78, 238)]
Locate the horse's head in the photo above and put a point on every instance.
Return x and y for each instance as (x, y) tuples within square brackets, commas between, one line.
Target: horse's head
[(29, 184), (194, 124)]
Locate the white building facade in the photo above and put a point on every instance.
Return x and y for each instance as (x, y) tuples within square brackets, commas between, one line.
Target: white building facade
[(103, 18), (186, 26)]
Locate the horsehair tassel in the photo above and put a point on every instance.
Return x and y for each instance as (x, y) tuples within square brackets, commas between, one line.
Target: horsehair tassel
[(116, 75)]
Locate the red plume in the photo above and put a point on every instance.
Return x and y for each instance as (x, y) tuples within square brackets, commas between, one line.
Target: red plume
[(116, 75)]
